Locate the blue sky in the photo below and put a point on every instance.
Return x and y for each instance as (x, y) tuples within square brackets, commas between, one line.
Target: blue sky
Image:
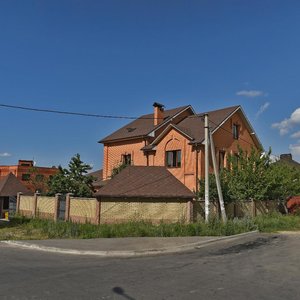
[(118, 57)]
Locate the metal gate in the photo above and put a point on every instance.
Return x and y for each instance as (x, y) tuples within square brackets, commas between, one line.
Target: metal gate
[(61, 207)]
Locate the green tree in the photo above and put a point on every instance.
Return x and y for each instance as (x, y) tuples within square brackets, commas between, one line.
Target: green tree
[(213, 191), (254, 176), (246, 176), (73, 180), (283, 181)]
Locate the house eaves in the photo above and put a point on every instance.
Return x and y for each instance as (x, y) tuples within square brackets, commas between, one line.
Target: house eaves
[(152, 132), (166, 130)]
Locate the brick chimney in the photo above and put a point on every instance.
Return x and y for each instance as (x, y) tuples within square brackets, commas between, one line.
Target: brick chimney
[(158, 113)]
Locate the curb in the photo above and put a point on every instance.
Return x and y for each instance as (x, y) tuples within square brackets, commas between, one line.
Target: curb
[(127, 253)]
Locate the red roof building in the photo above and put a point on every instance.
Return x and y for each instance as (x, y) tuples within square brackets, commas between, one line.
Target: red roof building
[(31, 176)]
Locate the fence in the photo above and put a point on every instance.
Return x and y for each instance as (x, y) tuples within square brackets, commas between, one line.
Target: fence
[(240, 209), (37, 206), (91, 210), (162, 210)]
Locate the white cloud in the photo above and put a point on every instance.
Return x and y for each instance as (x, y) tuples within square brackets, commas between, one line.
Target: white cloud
[(287, 124), (250, 93), (262, 108), (5, 154), (296, 135), (295, 149)]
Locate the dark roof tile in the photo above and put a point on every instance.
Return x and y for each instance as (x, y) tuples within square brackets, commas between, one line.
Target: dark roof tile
[(141, 126), (145, 182), (194, 125), (10, 185)]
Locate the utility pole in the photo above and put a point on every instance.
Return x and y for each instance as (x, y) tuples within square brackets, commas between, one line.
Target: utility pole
[(206, 132), (221, 201)]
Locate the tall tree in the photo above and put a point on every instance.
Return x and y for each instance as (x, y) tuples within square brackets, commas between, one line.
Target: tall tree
[(73, 180)]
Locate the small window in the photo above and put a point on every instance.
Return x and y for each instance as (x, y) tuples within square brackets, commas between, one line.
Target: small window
[(173, 159), (235, 131), (126, 159), (25, 177)]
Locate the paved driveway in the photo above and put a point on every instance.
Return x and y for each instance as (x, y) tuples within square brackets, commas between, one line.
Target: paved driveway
[(266, 267)]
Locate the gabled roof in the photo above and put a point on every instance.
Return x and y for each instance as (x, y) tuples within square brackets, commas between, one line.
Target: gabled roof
[(10, 186), (193, 126), (143, 126), (145, 182)]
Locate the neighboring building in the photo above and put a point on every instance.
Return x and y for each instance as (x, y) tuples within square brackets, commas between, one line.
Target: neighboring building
[(33, 177), (10, 186), (175, 139), (98, 182), (288, 160)]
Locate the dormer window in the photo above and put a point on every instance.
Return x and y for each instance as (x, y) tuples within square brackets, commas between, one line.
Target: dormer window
[(173, 159), (235, 131), (126, 159)]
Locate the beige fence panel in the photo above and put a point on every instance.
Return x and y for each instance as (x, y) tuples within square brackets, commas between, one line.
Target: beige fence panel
[(26, 206), (83, 210), (45, 208), (156, 211)]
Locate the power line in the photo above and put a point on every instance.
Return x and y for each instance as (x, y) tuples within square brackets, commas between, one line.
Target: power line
[(74, 113), (107, 117)]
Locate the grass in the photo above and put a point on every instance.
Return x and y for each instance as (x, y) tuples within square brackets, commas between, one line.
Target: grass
[(277, 222), (21, 228)]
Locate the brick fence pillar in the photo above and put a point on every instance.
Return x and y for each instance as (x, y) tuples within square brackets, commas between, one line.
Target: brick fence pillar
[(98, 210), (35, 199), (189, 215), (67, 212), (18, 202), (56, 205)]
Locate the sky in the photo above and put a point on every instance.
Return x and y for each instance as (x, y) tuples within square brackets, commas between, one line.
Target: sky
[(117, 57)]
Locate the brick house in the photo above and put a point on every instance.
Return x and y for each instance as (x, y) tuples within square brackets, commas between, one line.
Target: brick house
[(174, 139), (31, 176)]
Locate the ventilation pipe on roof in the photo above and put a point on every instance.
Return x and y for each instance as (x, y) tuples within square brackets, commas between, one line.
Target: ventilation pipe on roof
[(158, 113)]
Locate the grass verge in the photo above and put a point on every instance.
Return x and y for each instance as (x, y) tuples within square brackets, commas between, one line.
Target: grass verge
[(20, 228), (26, 229)]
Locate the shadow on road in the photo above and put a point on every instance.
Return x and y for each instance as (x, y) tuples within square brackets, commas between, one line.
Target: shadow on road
[(118, 290)]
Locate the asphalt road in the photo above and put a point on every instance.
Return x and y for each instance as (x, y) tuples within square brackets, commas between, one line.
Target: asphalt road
[(264, 267)]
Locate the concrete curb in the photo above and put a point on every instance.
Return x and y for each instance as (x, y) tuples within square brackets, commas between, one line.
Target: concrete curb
[(127, 253)]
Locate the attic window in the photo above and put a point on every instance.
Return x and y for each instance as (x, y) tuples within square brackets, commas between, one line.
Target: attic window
[(130, 129), (235, 131)]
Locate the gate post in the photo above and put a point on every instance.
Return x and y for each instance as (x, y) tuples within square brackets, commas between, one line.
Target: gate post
[(56, 206), (18, 202), (35, 198), (67, 212)]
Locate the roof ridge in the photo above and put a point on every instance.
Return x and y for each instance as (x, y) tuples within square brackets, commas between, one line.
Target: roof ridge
[(228, 107)]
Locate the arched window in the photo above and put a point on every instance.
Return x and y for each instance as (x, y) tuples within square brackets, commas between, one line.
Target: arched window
[(173, 154)]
